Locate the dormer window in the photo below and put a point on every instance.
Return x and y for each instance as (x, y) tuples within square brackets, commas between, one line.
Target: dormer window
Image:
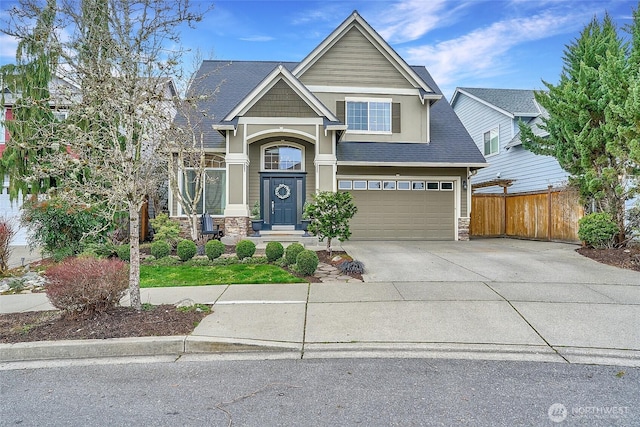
[(368, 115)]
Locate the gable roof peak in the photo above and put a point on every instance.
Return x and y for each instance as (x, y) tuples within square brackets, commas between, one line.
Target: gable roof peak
[(513, 102), (355, 20)]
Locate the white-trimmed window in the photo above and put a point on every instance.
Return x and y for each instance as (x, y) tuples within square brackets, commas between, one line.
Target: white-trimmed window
[(404, 185), (388, 185), (213, 198), (446, 186), (2, 130), (60, 115), (433, 186), (283, 157), (417, 185), (344, 184), (375, 185), (359, 185), (368, 115), (491, 142)]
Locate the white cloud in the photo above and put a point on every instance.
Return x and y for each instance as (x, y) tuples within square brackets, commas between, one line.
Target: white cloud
[(257, 39), (8, 46), (411, 19), (483, 52)]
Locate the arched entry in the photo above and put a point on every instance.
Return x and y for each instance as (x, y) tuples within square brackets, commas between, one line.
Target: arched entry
[(283, 184)]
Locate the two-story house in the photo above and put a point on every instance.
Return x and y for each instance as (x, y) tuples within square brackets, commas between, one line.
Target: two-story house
[(492, 116), (351, 116)]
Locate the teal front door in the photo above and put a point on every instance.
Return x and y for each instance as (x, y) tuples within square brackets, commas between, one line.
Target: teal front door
[(283, 201)]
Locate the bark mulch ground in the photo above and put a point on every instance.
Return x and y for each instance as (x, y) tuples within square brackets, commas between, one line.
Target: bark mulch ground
[(628, 257), (163, 320)]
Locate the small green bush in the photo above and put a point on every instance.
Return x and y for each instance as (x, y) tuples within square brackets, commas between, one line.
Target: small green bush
[(598, 230), (186, 250), (165, 228), (214, 249), (160, 249), (124, 252), (274, 251), (245, 249), (307, 262), (291, 253)]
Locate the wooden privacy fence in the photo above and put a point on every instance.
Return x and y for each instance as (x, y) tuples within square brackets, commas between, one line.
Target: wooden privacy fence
[(548, 215)]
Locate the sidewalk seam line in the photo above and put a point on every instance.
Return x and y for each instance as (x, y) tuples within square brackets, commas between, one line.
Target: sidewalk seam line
[(304, 327), (528, 323)]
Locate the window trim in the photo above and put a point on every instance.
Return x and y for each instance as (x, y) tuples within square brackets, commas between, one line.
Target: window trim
[(203, 200), (388, 101), (348, 182), (392, 187), (375, 185), (495, 128), (360, 181), (408, 183), (282, 143), (413, 186)]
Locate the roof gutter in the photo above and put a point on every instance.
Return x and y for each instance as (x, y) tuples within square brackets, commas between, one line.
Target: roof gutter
[(414, 164)]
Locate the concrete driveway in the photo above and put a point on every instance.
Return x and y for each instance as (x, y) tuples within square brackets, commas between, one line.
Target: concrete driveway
[(484, 260)]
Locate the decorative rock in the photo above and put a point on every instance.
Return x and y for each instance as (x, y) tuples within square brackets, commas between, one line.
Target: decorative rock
[(187, 302)]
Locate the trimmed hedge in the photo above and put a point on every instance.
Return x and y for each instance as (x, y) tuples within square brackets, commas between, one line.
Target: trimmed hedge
[(245, 249), (214, 249), (274, 251), (186, 250), (307, 262)]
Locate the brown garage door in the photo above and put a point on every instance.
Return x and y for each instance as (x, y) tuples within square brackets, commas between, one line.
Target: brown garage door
[(411, 214)]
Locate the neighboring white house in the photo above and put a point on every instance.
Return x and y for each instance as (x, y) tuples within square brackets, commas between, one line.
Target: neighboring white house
[(491, 117)]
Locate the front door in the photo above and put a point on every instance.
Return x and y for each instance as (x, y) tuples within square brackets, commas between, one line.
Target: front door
[(282, 201)]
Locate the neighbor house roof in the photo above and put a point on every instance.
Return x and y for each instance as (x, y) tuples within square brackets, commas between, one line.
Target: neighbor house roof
[(513, 102)]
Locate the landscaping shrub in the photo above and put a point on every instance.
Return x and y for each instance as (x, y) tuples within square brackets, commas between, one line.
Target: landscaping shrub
[(351, 267), (598, 230), (7, 233), (307, 262), (186, 250), (160, 249), (214, 249), (245, 249), (274, 251), (291, 253), (60, 228), (166, 229), (124, 252), (83, 286)]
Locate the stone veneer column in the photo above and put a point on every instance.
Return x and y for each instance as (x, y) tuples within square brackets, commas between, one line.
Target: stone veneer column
[(463, 228), (238, 226)]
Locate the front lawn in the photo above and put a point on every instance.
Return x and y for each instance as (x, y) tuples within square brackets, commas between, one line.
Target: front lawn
[(164, 276)]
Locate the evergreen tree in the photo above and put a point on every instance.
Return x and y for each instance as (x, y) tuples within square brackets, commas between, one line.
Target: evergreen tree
[(590, 131), (30, 128)]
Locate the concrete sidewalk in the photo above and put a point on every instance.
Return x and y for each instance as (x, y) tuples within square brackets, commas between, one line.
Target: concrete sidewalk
[(595, 324)]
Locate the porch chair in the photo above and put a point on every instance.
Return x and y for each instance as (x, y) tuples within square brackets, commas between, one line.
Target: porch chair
[(208, 228)]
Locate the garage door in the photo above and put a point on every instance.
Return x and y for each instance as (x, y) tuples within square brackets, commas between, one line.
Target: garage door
[(402, 209)]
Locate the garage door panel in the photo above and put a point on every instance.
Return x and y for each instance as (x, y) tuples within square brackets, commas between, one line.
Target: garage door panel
[(382, 214)]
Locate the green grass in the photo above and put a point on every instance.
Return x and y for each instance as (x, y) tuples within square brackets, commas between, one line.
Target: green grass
[(165, 276)]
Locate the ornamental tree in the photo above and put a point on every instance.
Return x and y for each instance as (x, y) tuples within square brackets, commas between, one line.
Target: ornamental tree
[(593, 116), (121, 57), (330, 213)]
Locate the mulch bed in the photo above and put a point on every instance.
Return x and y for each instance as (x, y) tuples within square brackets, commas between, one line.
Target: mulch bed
[(628, 257), (121, 322)]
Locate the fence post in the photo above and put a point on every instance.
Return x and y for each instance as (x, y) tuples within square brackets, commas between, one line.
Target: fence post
[(550, 211)]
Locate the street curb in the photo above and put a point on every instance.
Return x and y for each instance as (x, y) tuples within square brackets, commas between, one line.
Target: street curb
[(84, 349), (136, 346)]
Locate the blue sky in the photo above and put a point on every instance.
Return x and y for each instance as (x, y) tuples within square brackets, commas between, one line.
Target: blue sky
[(503, 44)]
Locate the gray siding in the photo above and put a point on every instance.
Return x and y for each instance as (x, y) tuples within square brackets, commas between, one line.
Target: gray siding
[(354, 61), (281, 101), (532, 172)]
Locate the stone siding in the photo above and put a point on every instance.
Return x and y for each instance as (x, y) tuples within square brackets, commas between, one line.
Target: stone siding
[(237, 227), (463, 228)]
